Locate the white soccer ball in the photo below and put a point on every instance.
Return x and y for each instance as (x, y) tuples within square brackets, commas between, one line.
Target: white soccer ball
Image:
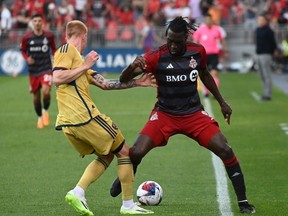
[(149, 193)]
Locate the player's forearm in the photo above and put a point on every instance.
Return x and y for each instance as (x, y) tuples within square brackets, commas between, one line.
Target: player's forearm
[(210, 84), (130, 72), (109, 84), (126, 74)]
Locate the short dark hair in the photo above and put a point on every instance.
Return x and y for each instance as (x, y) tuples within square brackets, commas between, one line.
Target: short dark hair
[(179, 24), (265, 15), (37, 15)]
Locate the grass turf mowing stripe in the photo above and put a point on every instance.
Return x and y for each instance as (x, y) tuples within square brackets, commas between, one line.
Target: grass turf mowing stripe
[(223, 198)]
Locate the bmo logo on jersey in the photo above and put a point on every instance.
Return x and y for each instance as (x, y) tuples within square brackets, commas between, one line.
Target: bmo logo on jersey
[(181, 78)]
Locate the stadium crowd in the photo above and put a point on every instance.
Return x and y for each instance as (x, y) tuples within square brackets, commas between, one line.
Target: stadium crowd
[(134, 22), (16, 14)]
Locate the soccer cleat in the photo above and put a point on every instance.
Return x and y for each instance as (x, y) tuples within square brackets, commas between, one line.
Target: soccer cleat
[(135, 210), (246, 208), (116, 188), (78, 204), (40, 123), (46, 119)]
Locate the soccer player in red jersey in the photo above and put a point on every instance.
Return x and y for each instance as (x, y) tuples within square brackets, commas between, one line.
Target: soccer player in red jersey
[(37, 48), (176, 66)]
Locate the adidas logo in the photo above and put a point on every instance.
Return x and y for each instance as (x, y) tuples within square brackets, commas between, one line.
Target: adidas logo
[(154, 117), (235, 174), (170, 66)]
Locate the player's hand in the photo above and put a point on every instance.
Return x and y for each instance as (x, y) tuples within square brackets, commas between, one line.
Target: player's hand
[(30, 60), (139, 62), (146, 80), (226, 111), (91, 59)]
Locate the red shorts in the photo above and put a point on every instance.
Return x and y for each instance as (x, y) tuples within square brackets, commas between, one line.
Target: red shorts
[(37, 82), (198, 126)]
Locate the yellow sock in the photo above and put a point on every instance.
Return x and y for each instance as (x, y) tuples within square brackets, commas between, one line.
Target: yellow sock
[(93, 171), (126, 177)]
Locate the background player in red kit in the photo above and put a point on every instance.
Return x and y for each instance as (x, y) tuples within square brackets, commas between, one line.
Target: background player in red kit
[(37, 47), (176, 66)]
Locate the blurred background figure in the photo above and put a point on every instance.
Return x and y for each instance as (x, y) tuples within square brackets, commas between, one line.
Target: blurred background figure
[(266, 48), (37, 47), (196, 15), (65, 13), (149, 37), (250, 17), (210, 36), (284, 55), (6, 21)]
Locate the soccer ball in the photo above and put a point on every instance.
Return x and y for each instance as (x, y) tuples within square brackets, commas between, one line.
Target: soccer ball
[(149, 193)]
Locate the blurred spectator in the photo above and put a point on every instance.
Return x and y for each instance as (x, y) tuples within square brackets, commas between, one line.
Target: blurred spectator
[(38, 6), (111, 33), (283, 59), (139, 25), (152, 7), (100, 11), (196, 13), (125, 15), (50, 14), (238, 12), (22, 19), (65, 13), (138, 7), (159, 19), (79, 8), (215, 12), (29, 7), (251, 8), (184, 9), (205, 5), (127, 33), (225, 7), (170, 10), (126, 20), (283, 18), (6, 21), (148, 36), (273, 9)]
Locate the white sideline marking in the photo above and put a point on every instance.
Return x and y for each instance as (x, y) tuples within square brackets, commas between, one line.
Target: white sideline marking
[(256, 96), (284, 127), (223, 198)]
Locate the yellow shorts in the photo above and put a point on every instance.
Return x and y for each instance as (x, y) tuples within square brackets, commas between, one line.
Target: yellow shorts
[(100, 136)]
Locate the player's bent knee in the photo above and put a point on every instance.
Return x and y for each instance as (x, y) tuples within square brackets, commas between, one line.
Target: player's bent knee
[(225, 152)]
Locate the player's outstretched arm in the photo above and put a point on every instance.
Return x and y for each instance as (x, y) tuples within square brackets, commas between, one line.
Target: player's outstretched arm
[(147, 80)]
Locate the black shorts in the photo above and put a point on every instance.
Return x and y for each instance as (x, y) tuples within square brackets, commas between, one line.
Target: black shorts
[(212, 61)]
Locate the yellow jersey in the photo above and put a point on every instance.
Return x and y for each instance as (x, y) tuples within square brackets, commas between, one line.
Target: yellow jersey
[(75, 106)]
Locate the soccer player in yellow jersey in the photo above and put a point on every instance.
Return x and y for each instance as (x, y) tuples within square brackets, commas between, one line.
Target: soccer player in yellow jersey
[(88, 130)]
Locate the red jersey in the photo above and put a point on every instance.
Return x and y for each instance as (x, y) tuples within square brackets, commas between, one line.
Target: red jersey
[(176, 77), (40, 48)]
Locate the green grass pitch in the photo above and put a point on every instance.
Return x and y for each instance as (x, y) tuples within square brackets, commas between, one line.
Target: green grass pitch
[(38, 167)]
